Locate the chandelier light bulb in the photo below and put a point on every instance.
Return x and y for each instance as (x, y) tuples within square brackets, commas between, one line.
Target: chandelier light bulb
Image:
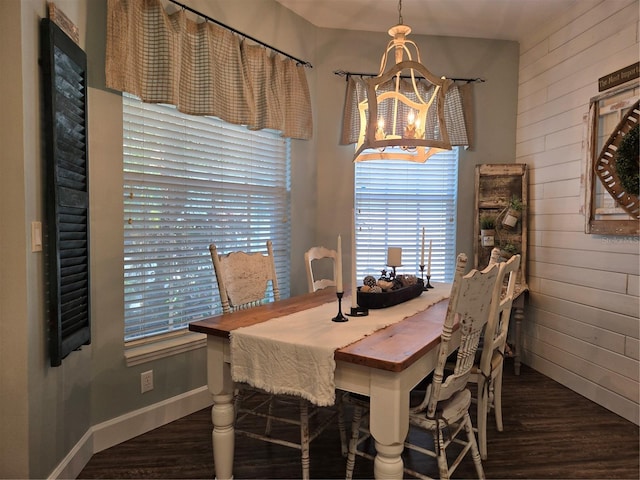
[(410, 129), (380, 130)]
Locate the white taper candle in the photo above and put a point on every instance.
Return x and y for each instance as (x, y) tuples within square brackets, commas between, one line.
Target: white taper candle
[(422, 251), (354, 281), (339, 287), (429, 265)]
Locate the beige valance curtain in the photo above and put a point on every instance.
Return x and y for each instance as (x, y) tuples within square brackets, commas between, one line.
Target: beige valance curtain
[(203, 69), (458, 109)]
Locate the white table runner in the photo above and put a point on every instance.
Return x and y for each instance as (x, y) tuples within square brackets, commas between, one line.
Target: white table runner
[(294, 354)]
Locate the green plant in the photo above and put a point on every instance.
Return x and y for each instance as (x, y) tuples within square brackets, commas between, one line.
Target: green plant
[(510, 248), (627, 161), (487, 222), (515, 203)]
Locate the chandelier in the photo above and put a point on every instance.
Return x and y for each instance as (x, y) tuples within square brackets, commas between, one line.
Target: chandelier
[(402, 114)]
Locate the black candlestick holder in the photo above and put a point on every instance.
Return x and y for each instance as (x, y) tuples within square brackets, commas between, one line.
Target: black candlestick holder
[(339, 317), (425, 287), (392, 275), (429, 283)]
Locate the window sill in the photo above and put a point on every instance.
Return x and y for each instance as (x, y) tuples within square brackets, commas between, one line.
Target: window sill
[(164, 348)]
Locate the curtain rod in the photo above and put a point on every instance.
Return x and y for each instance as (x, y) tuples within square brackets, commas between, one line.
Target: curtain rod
[(206, 17), (342, 73)]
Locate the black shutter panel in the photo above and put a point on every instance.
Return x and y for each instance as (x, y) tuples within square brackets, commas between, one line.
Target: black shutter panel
[(64, 67)]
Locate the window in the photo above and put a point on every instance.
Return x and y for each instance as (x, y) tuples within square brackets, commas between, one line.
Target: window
[(394, 200), (188, 182)]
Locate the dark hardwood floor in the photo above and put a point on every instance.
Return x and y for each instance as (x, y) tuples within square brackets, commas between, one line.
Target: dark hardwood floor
[(549, 432)]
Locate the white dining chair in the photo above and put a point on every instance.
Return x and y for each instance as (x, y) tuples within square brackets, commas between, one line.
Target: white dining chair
[(243, 279), (319, 261), (444, 411), (487, 370)]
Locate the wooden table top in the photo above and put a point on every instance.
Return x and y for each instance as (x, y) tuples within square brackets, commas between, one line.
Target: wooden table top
[(393, 348)]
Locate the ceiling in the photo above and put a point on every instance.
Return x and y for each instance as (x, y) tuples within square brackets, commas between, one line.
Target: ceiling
[(500, 19)]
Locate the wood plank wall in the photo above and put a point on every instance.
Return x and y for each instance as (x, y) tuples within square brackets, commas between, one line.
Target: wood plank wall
[(582, 326)]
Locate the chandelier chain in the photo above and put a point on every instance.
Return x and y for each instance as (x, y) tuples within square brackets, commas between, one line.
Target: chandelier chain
[(400, 21)]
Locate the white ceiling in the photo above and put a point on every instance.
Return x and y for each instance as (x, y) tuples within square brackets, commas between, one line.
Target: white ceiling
[(500, 19)]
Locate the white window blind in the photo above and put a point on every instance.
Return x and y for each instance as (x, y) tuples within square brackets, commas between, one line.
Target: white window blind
[(188, 182), (394, 200)]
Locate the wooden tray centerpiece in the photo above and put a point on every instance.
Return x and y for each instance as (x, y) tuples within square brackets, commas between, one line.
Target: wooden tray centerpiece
[(385, 293)]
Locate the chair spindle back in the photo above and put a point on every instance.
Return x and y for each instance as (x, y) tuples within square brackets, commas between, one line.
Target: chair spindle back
[(470, 305)]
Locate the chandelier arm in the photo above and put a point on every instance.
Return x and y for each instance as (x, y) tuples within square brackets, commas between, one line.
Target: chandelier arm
[(410, 65), (415, 89), (408, 52), (410, 42), (385, 57), (395, 105), (436, 91)]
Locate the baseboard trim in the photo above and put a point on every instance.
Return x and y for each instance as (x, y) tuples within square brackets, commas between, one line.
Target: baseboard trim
[(76, 459), (125, 427), (120, 429)]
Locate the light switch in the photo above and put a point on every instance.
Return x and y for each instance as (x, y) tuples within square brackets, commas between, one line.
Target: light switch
[(36, 236)]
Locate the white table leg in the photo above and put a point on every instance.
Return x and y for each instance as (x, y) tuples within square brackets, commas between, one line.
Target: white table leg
[(222, 413), (389, 424)]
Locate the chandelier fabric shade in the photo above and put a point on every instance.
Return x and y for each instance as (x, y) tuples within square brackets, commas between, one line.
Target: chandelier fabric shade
[(458, 111), (406, 112)]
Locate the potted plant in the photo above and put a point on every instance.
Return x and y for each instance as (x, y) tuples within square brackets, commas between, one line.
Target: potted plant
[(508, 251), (514, 210), (487, 230)]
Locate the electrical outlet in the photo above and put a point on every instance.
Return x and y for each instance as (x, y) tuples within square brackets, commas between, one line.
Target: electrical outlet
[(146, 381)]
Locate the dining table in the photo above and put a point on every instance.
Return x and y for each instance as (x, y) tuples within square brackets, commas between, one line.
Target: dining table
[(384, 365)]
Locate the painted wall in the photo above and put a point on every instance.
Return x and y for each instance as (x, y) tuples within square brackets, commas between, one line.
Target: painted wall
[(14, 327), (582, 324)]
